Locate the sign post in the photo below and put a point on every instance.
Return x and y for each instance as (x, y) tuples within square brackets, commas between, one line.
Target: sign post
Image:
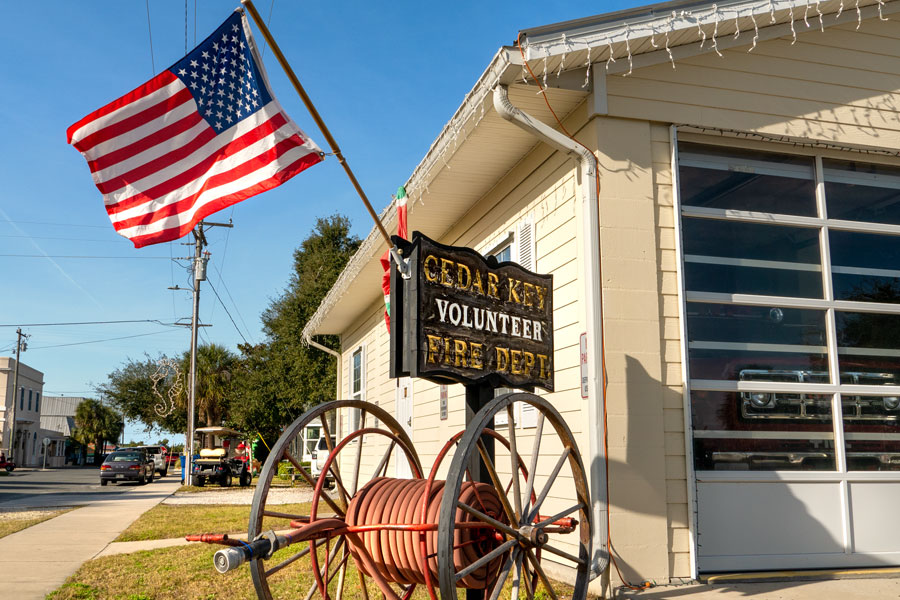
[(464, 318)]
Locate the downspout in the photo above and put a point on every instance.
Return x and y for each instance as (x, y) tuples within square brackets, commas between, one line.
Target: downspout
[(593, 313), (307, 337)]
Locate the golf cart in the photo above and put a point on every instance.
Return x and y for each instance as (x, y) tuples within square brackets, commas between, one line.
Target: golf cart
[(224, 456)]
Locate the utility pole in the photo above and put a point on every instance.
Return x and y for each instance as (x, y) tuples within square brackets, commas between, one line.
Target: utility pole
[(20, 347), (199, 274)]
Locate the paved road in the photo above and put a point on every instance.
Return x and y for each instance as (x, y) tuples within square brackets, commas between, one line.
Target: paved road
[(68, 486)]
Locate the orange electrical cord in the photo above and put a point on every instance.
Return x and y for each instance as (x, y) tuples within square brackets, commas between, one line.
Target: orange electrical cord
[(603, 379)]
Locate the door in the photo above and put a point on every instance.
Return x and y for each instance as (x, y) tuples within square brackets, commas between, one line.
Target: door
[(791, 329), (403, 410)]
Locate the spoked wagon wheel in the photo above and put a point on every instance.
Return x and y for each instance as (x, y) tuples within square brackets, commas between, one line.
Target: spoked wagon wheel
[(542, 516), (352, 463)]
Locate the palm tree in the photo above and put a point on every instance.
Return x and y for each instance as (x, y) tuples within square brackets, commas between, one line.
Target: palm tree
[(215, 365)]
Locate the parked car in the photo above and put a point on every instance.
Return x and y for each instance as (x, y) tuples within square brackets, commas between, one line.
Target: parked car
[(159, 455), (172, 459), (222, 457), (128, 464), (317, 462)]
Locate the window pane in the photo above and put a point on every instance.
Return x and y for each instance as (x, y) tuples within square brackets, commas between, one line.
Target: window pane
[(857, 191), (868, 348), (751, 258), (756, 343), (356, 384), (716, 177), (866, 266), (749, 431)]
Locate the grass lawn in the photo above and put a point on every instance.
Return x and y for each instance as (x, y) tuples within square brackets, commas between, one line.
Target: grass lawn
[(12, 522), (187, 571), (178, 520)]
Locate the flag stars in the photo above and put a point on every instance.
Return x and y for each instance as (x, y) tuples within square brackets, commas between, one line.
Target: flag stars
[(194, 64), (182, 72)]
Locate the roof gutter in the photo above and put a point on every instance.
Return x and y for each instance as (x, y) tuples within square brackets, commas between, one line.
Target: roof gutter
[(593, 313), (307, 337)]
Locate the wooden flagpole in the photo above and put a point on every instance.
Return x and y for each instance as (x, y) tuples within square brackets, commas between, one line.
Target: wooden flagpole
[(318, 119)]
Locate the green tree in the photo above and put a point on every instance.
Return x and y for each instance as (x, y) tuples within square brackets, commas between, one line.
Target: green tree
[(282, 377), (97, 423), (215, 368)]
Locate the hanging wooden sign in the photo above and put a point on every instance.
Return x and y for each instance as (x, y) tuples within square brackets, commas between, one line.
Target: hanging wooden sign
[(468, 319)]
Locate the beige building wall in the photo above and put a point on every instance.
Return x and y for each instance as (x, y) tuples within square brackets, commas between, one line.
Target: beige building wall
[(837, 87), (28, 421)]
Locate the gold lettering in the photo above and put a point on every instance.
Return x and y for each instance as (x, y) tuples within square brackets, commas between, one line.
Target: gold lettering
[(476, 355), (447, 350), (513, 293), (476, 283), (542, 293), (543, 361), (460, 270), (525, 295), (430, 263), (434, 348), (529, 362), (515, 357), (492, 286), (502, 355), (459, 353), (446, 265)]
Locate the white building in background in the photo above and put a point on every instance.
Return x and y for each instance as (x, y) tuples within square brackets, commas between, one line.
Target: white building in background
[(58, 426), (26, 448)]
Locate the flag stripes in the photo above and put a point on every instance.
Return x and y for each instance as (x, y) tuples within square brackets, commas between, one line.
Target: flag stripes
[(169, 153)]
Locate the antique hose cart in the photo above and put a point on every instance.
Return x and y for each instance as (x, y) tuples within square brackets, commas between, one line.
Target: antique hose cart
[(503, 498), (440, 533)]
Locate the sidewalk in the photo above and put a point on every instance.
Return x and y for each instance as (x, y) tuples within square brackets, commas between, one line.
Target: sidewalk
[(38, 560)]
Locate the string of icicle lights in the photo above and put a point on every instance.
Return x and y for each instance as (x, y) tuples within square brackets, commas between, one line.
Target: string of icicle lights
[(809, 12)]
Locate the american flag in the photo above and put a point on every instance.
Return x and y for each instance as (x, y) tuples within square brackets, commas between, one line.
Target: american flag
[(197, 138)]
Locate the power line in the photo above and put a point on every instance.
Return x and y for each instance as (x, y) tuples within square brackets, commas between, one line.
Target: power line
[(230, 297), (226, 311), (150, 35), (59, 224), (84, 256), (69, 239), (157, 321), (124, 337)]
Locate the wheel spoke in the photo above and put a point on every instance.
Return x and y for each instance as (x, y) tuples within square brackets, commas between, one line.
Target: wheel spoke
[(281, 515), (504, 574), (299, 468), (335, 469), (487, 558), (384, 460), (517, 578), (489, 520), (529, 485), (548, 485), (489, 464), (286, 562), (514, 460), (323, 572), (339, 593), (362, 582), (540, 571), (358, 458), (563, 554)]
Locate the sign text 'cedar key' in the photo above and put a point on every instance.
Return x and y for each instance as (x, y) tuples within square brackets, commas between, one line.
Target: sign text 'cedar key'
[(467, 319)]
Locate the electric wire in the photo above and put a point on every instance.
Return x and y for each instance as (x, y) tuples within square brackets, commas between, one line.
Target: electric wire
[(226, 311), (124, 337), (157, 321), (67, 239), (603, 372), (150, 36), (268, 22), (238, 310), (80, 256), (57, 224)]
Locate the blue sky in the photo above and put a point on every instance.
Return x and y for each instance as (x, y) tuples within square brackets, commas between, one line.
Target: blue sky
[(385, 77)]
